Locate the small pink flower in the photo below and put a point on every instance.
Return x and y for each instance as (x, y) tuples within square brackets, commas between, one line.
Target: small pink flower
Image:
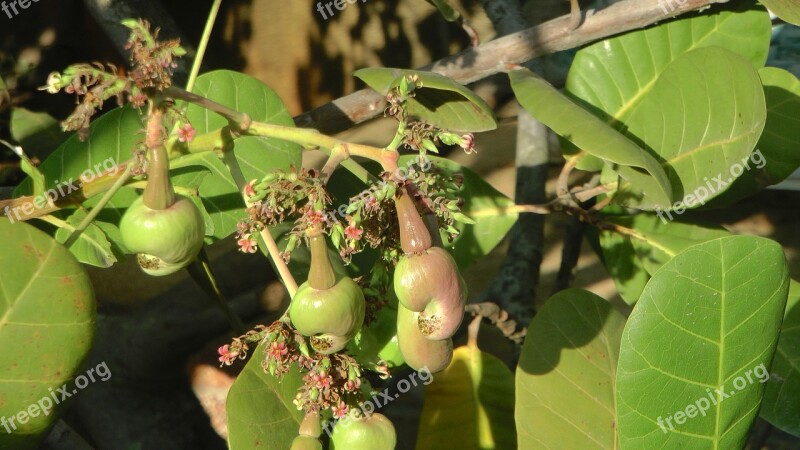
[(468, 143), (248, 189), (186, 133), (372, 204), (316, 217), (322, 380), (352, 385), (353, 232), (247, 245), (226, 356), (278, 350), (340, 410)]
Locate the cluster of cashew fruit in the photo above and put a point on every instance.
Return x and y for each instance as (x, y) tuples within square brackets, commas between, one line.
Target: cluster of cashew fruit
[(430, 291)]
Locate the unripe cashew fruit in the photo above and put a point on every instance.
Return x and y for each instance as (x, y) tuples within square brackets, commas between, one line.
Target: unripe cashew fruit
[(329, 308), (375, 432), (429, 283), (426, 279), (378, 341), (420, 352), (306, 443), (165, 240)]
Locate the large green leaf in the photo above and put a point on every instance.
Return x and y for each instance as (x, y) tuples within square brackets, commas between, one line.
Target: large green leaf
[(261, 414), (113, 136), (483, 203), (780, 406), (47, 314), (38, 133), (787, 10), (469, 405), (613, 75), (255, 156), (776, 155), (698, 344), (565, 376), (439, 101), (632, 258), (591, 135), (702, 117)]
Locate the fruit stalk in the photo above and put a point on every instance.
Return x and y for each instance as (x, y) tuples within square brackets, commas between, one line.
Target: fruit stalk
[(159, 193)]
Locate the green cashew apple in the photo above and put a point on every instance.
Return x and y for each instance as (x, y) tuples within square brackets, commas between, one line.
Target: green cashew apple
[(375, 432), (329, 308), (429, 283), (418, 351), (378, 341), (165, 240), (306, 443)]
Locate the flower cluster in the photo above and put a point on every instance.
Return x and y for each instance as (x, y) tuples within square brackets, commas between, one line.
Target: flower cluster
[(93, 84), (331, 382), (153, 61)]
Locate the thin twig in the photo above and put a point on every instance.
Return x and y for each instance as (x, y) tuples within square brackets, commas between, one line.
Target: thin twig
[(476, 63), (203, 45), (126, 174)]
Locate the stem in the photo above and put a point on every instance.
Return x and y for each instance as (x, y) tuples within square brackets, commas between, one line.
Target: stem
[(399, 137), (269, 241), (562, 184), (203, 45), (126, 174), (158, 194), (337, 156), (241, 119), (321, 275), (202, 274), (283, 269)]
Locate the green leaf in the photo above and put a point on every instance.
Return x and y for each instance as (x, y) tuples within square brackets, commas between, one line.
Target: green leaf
[(780, 406), (47, 313), (787, 10), (776, 156), (565, 376), (469, 405), (483, 203), (261, 414), (439, 101), (619, 258), (659, 239), (38, 133), (702, 117), (112, 139), (92, 246), (591, 134), (256, 156), (613, 75), (707, 320)]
